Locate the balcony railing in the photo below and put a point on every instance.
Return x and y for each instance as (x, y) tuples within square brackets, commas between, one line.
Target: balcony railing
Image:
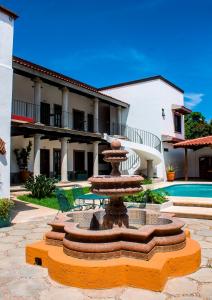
[(137, 135), (31, 113)]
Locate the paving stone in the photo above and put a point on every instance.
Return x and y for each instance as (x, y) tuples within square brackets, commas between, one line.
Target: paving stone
[(6, 229), (208, 239), (197, 237), (206, 291), (181, 286), (26, 288), (204, 232), (186, 298), (108, 293), (206, 245), (138, 294), (61, 294), (29, 271), (204, 262), (19, 232), (207, 253), (199, 226), (34, 236), (11, 239), (203, 275), (5, 247)]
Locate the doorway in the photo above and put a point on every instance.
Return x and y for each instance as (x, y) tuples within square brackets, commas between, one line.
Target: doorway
[(90, 163), (44, 162), (57, 163), (45, 113), (79, 161), (205, 167)]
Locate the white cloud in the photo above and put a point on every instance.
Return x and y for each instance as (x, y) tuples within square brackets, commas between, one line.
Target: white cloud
[(193, 99)]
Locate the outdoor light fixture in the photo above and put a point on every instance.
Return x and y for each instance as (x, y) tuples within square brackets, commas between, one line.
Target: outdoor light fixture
[(163, 113)]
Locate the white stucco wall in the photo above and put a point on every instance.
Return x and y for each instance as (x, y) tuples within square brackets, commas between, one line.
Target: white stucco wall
[(147, 99), (6, 76), (193, 160)]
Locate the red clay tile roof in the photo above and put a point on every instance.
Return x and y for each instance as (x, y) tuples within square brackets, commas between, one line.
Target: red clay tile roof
[(2, 147), (199, 142), (49, 72)]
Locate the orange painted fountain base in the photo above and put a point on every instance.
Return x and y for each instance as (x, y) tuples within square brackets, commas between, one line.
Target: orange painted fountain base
[(100, 274)]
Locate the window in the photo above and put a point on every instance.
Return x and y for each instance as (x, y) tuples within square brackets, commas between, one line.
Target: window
[(177, 123)]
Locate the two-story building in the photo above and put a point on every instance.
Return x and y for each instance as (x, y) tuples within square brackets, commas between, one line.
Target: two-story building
[(69, 122)]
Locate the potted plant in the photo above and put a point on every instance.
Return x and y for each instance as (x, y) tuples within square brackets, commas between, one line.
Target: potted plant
[(22, 158), (170, 173), (5, 208)]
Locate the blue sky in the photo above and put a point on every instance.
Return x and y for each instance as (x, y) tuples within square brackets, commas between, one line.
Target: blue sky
[(107, 42)]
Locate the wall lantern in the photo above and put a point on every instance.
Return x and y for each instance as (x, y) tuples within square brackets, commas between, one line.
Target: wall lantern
[(163, 113)]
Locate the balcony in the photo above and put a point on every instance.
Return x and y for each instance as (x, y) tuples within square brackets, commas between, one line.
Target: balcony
[(26, 112)]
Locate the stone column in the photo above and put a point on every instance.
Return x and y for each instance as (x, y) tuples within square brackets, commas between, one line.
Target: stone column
[(95, 158), (65, 115), (119, 120), (37, 98), (36, 168), (150, 168), (64, 159), (96, 115)]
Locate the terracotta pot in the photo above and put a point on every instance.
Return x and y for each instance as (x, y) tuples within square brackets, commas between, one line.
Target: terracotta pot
[(170, 176), (24, 175)]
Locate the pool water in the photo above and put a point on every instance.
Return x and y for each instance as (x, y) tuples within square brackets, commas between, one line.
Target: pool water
[(189, 190)]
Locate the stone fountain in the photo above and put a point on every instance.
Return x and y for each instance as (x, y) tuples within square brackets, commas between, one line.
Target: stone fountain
[(136, 247)]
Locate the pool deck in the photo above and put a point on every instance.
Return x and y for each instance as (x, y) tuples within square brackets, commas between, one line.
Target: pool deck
[(187, 207)]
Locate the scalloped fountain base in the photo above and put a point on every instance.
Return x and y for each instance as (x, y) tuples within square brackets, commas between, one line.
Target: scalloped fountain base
[(145, 255), (116, 247)]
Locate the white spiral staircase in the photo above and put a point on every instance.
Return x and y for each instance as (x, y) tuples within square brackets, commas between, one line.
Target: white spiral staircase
[(142, 146)]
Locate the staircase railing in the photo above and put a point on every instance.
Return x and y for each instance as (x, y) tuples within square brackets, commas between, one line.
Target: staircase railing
[(136, 135)]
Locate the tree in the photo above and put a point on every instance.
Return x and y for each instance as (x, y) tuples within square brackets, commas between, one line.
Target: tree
[(196, 126)]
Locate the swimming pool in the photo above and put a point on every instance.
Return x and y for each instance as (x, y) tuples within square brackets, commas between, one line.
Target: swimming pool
[(189, 190)]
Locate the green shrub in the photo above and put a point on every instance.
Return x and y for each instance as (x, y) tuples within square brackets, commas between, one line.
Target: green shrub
[(147, 181), (134, 198), (5, 207), (148, 196), (40, 186)]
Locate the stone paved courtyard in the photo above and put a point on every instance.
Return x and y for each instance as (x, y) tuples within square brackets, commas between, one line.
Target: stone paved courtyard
[(20, 281)]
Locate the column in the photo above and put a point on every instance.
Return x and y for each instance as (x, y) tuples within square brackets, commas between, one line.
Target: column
[(95, 158), (186, 164), (37, 98), (149, 168), (96, 115), (36, 168), (65, 115), (64, 159), (119, 120)]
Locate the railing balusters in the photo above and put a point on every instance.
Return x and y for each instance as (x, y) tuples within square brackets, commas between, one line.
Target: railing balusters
[(138, 136)]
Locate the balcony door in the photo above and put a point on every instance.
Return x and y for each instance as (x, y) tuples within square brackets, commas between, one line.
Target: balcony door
[(78, 120), (90, 123), (57, 115), (45, 113)]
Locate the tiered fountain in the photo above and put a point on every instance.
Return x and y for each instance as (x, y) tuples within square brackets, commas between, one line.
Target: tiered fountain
[(101, 249)]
